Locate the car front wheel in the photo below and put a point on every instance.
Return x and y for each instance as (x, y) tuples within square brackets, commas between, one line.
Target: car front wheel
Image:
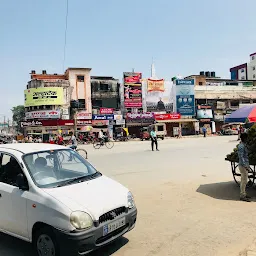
[(45, 243)]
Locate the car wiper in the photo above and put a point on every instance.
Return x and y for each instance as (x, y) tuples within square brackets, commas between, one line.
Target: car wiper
[(80, 178)]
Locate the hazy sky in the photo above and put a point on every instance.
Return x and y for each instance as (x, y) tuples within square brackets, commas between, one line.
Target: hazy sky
[(112, 36)]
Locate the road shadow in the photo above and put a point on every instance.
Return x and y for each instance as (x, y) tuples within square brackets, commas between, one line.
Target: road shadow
[(10, 246), (223, 190)]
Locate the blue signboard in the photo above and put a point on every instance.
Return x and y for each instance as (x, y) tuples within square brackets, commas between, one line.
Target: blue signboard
[(185, 97), (102, 117)]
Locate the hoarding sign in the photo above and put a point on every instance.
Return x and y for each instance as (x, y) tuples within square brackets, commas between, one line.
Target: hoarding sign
[(159, 95), (46, 114), (132, 90), (83, 115), (106, 111), (185, 97), (140, 116), (44, 96), (159, 117), (204, 113), (102, 117)]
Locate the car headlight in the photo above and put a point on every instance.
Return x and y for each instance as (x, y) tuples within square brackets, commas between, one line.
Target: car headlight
[(81, 220), (131, 202)]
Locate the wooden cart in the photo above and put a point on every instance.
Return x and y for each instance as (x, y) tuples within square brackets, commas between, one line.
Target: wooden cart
[(237, 175)]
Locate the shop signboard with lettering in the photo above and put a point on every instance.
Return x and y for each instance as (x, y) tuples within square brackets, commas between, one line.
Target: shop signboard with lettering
[(185, 97), (132, 90)]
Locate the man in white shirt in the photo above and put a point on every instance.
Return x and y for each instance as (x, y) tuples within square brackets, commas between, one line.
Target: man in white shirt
[(101, 136)]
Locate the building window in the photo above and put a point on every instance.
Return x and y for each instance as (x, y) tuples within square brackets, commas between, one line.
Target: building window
[(234, 103), (243, 78), (104, 87), (81, 103), (80, 78), (253, 68), (200, 83), (253, 57), (242, 70), (254, 76)]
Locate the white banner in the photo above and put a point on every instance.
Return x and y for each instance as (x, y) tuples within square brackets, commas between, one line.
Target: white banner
[(83, 115), (43, 114)]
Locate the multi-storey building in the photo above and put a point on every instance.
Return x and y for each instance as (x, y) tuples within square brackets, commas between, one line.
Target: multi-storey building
[(223, 95), (105, 93), (48, 97), (246, 71)]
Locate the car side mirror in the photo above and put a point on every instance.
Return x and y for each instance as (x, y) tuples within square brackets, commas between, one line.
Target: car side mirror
[(21, 182)]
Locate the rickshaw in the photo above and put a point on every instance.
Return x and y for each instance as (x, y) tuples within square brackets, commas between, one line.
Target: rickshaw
[(231, 128)]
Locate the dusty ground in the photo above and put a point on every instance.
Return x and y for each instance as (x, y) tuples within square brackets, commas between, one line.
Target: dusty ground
[(187, 200)]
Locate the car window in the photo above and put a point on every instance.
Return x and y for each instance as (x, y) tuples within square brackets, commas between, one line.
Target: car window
[(9, 169), (56, 167)]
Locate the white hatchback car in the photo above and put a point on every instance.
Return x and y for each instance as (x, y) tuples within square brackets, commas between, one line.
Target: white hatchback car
[(52, 197)]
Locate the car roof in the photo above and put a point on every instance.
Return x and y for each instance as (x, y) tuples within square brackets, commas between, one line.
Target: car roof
[(27, 148)]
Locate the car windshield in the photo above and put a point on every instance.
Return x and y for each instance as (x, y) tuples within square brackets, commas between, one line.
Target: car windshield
[(58, 168)]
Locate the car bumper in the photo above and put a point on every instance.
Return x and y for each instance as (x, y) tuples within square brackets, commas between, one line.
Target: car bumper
[(84, 242)]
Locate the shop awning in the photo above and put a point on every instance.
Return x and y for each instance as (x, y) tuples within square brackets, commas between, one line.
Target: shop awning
[(182, 120)]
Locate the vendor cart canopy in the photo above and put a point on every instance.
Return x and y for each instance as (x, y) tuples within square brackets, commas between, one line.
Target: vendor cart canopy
[(245, 114)]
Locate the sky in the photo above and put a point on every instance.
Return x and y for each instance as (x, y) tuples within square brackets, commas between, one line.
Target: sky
[(112, 36)]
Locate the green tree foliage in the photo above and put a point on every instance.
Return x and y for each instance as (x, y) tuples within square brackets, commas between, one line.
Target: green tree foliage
[(18, 114), (251, 143)]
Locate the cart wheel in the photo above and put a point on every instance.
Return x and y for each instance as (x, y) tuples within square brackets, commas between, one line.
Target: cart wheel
[(237, 176)]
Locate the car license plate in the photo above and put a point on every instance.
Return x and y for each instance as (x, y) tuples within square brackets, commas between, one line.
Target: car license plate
[(113, 226)]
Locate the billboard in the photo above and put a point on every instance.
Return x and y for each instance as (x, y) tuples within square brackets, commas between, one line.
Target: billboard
[(44, 96), (158, 95), (43, 114), (132, 90), (185, 97), (204, 113)]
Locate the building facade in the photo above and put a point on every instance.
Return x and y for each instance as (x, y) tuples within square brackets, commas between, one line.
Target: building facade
[(105, 93), (220, 97), (246, 71), (48, 97)]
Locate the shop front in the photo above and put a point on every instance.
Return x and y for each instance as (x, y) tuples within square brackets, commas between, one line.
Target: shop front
[(175, 122), (48, 126), (205, 116), (103, 122), (135, 122)]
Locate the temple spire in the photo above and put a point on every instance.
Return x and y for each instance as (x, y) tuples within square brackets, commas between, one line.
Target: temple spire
[(153, 70)]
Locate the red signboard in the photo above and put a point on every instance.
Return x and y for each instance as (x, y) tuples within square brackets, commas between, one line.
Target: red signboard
[(105, 111), (167, 116), (132, 90)]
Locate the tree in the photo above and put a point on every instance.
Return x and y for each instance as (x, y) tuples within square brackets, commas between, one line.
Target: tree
[(18, 114)]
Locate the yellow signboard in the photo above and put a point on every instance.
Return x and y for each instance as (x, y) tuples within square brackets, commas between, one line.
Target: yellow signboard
[(155, 85), (44, 96)]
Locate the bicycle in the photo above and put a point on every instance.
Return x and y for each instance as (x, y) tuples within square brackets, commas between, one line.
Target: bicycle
[(98, 144)]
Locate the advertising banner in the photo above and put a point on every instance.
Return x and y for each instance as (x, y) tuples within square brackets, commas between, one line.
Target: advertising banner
[(185, 97), (140, 115), (156, 85), (46, 114), (44, 96), (159, 117), (132, 90), (100, 122), (83, 115), (159, 95), (102, 117), (204, 113), (106, 111)]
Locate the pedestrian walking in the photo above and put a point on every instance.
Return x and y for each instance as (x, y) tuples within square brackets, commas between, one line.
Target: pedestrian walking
[(153, 139), (204, 131), (180, 133), (244, 166)]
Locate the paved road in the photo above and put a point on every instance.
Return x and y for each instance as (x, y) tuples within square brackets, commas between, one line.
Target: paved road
[(187, 200)]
